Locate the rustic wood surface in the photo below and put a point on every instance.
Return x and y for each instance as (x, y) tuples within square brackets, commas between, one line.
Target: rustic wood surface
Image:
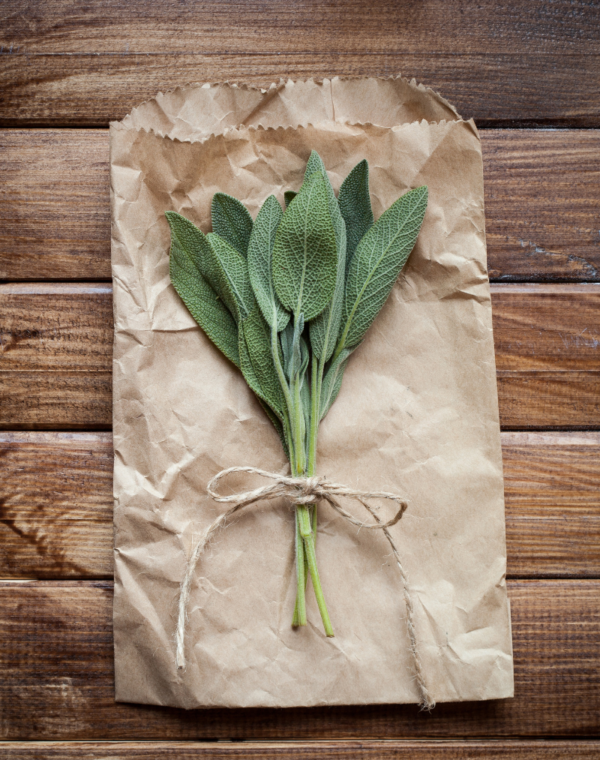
[(341, 750), (66, 63), (508, 64), (56, 505), (56, 655), (60, 335), (542, 192)]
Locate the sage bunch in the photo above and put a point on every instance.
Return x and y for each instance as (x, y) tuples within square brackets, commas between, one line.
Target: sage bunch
[(288, 298)]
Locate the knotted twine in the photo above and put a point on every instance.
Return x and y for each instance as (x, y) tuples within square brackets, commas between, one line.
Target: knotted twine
[(302, 491)]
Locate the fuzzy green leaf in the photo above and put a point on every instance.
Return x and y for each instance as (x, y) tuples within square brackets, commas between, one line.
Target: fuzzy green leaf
[(188, 249), (286, 338), (235, 269), (260, 372), (260, 253), (231, 221), (276, 422), (332, 382), (211, 269), (305, 252), (314, 164), (289, 196), (324, 330), (378, 260), (355, 205)]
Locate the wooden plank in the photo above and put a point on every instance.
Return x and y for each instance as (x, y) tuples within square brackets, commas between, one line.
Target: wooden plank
[(56, 360), (340, 750), (54, 205), (56, 505), (68, 64), (542, 193), (552, 503), (547, 355), (490, 27), (56, 652)]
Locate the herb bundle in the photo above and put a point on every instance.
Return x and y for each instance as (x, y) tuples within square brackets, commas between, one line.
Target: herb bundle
[(287, 298)]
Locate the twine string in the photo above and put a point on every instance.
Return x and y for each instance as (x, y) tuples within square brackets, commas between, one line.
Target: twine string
[(302, 491)]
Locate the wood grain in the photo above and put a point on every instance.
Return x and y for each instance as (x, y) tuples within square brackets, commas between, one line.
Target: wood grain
[(56, 505), (56, 342), (340, 750), (65, 63), (54, 205), (552, 495), (542, 201), (57, 662), (542, 194)]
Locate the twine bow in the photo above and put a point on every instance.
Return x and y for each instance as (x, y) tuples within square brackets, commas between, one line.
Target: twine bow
[(302, 491)]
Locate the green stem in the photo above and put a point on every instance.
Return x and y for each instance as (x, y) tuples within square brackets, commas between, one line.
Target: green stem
[(298, 422), (306, 523), (315, 403), (309, 548), (300, 608), (291, 429), (280, 373), (312, 455)]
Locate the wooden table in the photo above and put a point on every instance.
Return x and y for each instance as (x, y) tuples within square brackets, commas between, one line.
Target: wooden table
[(519, 68)]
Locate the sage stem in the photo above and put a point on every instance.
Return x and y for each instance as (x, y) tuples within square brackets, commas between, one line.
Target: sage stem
[(300, 608), (309, 547)]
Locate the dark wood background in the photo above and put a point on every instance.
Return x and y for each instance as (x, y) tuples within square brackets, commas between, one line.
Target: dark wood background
[(529, 73)]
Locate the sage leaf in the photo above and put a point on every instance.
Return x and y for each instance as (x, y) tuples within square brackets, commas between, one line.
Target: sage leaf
[(257, 361), (276, 422), (296, 355), (355, 206), (260, 253), (286, 338), (289, 196), (332, 382), (305, 252), (325, 328), (231, 221), (378, 260), (188, 248), (213, 272), (234, 267)]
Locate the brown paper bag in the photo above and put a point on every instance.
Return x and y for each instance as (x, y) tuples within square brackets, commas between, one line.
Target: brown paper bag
[(417, 414)]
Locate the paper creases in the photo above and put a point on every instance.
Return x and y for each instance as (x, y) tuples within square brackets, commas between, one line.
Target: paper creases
[(417, 415)]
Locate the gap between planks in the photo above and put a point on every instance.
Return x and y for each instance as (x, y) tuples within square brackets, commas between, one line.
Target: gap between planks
[(311, 750)]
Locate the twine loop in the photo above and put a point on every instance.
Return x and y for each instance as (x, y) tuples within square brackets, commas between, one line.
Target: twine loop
[(305, 491)]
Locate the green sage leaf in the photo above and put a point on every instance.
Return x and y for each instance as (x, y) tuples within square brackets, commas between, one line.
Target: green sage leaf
[(234, 267), (260, 253), (305, 252), (324, 330), (231, 221), (252, 380), (276, 422), (286, 338), (378, 260), (261, 370), (332, 382), (188, 249), (355, 206)]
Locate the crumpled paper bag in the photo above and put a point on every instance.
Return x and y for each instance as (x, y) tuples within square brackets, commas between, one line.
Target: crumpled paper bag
[(417, 414)]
